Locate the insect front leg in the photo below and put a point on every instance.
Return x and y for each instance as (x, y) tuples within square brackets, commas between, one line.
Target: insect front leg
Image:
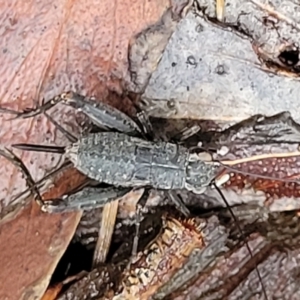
[(146, 125)]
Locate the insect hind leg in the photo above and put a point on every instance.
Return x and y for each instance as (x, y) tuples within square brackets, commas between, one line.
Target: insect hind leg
[(101, 114), (14, 159), (32, 112), (86, 199)]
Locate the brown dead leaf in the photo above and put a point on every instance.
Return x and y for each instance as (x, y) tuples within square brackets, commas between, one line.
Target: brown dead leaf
[(50, 47), (32, 243)]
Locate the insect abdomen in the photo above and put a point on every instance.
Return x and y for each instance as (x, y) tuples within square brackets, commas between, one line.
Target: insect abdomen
[(123, 160)]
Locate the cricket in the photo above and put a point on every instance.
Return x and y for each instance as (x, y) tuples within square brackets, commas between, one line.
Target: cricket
[(123, 157), (126, 154)]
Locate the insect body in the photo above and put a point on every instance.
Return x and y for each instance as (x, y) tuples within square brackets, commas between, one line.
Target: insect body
[(127, 161), (123, 160)]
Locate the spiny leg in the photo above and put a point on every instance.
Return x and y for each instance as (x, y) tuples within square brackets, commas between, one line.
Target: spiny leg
[(14, 159), (165, 108), (101, 114), (139, 206), (178, 203), (28, 113), (32, 112), (93, 110), (91, 198), (40, 183), (47, 148), (186, 133), (86, 199), (146, 125)]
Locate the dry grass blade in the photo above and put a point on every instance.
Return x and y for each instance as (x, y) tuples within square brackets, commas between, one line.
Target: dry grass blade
[(220, 9), (107, 226)]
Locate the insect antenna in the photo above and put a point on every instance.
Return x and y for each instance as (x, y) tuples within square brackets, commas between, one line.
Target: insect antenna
[(242, 234), (260, 175)]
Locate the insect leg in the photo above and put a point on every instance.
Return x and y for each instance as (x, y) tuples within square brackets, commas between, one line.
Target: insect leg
[(86, 199), (65, 132), (101, 114), (32, 112), (164, 109), (9, 155), (139, 206), (145, 123), (178, 203), (186, 133)]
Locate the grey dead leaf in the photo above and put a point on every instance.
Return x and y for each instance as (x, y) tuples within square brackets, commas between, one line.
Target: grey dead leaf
[(226, 82)]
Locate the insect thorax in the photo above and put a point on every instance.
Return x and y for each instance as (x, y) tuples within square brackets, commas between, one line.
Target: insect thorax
[(200, 173)]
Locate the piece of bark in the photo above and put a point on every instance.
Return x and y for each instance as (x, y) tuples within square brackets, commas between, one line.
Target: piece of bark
[(229, 71), (275, 249), (221, 267), (149, 269)]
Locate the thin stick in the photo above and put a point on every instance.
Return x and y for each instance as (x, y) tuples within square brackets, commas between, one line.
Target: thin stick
[(107, 226)]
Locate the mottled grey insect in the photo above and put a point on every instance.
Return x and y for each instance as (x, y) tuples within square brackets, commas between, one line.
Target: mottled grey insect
[(126, 158)]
